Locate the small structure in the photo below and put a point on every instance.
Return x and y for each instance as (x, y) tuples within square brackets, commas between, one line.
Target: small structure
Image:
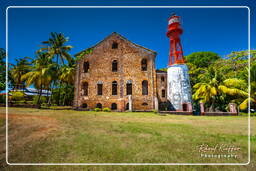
[(31, 92), (232, 111)]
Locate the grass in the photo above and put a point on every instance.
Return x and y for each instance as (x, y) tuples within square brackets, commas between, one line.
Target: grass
[(58, 136)]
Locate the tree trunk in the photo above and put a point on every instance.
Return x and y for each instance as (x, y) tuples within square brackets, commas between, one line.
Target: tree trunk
[(212, 107), (59, 86), (50, 98), (39, 98)]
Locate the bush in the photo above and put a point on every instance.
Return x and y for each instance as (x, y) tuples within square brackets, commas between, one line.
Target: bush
[(17, 96), (45, 105), (106, 110), (21, 102), (97, 109), (2, 98), (42, 100), (154, 111)]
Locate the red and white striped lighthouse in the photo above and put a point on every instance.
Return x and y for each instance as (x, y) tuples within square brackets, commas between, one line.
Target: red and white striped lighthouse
[(178, 82)]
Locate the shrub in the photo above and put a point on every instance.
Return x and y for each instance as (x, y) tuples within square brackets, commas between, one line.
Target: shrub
[(17, 96), (2, 98), (97, 109), (106, 110), (20, 102), (42, 100), (154, 111), (44, 105)]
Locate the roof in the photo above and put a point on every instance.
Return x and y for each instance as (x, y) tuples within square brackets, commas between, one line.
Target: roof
[(33, 92), (122, 37), (160, 72)]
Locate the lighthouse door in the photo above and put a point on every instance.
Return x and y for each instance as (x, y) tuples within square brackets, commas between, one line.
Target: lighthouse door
[(185, 107)]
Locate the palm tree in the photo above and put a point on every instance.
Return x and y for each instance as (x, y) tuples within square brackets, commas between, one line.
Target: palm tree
[(56, 47), (40, 75), (206, 91), (230, 90), (67, 77), (237, 89), (16, 71), (244, 104)]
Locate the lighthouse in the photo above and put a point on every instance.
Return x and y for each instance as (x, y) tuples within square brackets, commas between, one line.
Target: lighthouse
[(178, 83)]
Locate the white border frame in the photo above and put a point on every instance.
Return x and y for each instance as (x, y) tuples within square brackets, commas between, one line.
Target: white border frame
[(249, 119)]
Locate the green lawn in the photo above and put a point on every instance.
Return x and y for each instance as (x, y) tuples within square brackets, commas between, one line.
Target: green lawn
[(67, 136)]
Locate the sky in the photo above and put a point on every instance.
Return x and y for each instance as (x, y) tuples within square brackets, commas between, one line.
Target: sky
[(220, 30)]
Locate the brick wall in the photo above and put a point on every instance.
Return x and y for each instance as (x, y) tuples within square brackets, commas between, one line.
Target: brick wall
[(129, 57), (161, 81)]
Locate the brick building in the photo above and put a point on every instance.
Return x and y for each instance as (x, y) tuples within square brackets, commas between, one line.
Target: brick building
[(119, 75)]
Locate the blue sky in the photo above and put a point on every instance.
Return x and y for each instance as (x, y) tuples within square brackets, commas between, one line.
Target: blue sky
[(218, 30)]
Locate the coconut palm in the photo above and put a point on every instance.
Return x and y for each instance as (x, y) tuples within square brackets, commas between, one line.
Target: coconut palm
[(252, 99), (67, 77), (23, 65), (230, 90), (40, 75), (56, 47), (237, 89), (67, 74), (206, 91)]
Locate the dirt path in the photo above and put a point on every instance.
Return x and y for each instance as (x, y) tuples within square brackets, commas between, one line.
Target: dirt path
[(23, 129)]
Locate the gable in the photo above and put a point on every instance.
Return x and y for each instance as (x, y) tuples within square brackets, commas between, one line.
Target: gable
[(115, 35)]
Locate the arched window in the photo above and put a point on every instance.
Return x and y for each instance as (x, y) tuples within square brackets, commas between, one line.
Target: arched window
[(113, 106), (99, 88), (86, 66), (144, 104), (114, 45), (84, 105), (129, 87), (114, 66), (144, 87), (99, 105), (114, 88), (163, 93), (162, 79), (85, 89), (127, 106), (144, 65)]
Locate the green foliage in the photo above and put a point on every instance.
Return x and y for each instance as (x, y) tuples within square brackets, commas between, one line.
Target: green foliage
[(23, 65), (163, 69), (106, 110), (202, 59), (83, 53), (64, 95), (2, 98), (17, 96), (224, 81), (44, 105), (43, 99), (56, 48), (2, 69), (61, 73), (97, 109), (154, 111)]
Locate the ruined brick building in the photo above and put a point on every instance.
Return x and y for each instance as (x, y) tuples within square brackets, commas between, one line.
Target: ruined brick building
[(120, 75)]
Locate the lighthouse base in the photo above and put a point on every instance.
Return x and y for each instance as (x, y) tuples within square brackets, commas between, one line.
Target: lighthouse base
[(178, 88)]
